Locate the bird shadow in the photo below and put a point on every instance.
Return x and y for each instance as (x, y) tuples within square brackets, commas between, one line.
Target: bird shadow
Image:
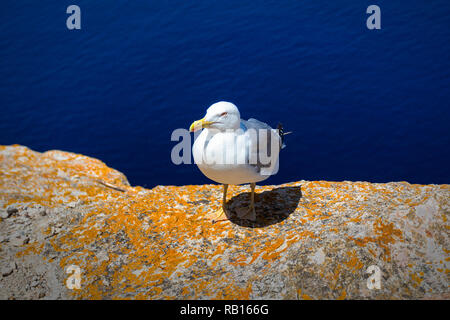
[(271, 206)]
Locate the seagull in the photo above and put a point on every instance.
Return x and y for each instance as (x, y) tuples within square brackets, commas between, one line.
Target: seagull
[(230, 150)]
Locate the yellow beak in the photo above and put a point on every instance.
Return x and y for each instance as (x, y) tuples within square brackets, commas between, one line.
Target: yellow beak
[(199, 124)]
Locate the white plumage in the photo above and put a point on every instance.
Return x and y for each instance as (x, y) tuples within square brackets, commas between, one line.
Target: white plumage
[(234, 151)]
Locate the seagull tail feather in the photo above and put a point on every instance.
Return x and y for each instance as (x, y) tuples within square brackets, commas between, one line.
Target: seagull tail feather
[(282, 134)]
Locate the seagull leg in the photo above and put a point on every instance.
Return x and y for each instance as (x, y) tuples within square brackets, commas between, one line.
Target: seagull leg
[(220, 215), (251, 213)]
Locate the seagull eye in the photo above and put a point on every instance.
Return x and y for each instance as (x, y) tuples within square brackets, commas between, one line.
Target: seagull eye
[(224, 114)]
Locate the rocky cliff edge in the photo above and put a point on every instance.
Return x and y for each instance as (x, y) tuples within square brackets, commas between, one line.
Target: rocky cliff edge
[(64, 214)]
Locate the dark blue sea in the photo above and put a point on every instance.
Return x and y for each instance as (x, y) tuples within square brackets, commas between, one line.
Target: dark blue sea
[(370, 105)]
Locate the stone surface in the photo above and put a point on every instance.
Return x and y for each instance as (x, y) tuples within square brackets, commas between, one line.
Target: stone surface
[(311, 239), (10, 210), (8, 269)]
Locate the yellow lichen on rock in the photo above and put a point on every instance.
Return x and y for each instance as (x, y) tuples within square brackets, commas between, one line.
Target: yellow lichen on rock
[(137, 243)]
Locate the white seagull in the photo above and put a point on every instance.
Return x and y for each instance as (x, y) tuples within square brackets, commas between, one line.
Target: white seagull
[(230, 150)]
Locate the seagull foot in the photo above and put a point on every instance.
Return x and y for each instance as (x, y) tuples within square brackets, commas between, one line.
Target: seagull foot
[(219, 215), (247, 214)]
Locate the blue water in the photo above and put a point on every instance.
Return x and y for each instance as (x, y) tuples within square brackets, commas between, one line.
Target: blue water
[(363, 105)]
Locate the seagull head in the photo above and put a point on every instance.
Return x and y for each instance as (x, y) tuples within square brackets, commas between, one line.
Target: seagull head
[(221, 116)]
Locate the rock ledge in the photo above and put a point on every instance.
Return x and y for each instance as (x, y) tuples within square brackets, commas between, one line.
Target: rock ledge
[(311, 240)]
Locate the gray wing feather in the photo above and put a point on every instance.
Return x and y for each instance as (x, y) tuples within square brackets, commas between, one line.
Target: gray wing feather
[(254, 144), (256, 124)]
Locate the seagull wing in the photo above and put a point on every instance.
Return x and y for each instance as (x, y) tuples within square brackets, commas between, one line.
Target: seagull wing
[(258, 154)]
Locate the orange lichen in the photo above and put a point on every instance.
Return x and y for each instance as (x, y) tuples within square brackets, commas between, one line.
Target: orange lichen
[(416, 280), (353, 263), (343, 295), (162, 234), (385, 234), (32, 248)]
